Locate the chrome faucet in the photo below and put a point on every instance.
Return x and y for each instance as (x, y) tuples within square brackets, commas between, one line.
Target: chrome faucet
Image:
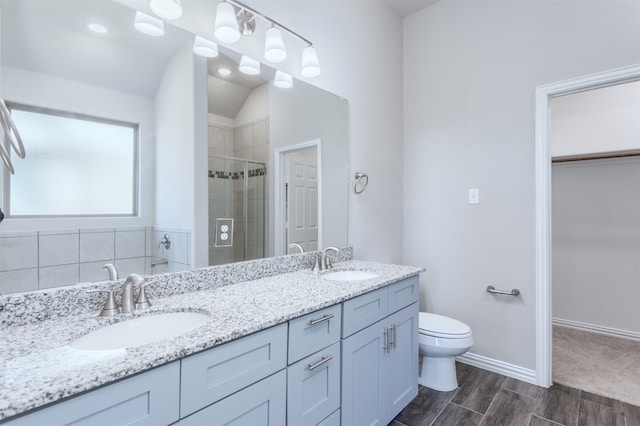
[(296, 245), (113, 273), (127, 303), (325, 262)]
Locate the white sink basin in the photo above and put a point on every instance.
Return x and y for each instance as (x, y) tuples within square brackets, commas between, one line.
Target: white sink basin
[(140, 331), (350, 275)]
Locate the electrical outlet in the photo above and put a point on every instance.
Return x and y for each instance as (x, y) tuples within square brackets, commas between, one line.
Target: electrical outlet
[(474, 196), (224, 233)]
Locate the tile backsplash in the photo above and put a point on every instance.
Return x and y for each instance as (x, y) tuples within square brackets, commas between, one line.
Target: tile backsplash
[(44, 259)]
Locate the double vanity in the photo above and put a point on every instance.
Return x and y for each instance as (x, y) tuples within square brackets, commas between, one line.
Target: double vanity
[(283, 346)]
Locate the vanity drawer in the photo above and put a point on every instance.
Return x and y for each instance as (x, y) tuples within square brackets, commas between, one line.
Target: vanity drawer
[(403, 293), (313, 332), (212, 375), (363, 311), (313, 385)]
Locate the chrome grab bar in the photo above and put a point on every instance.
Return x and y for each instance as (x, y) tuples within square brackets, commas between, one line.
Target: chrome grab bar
[(324, 360), (319, 320), (514, 292)]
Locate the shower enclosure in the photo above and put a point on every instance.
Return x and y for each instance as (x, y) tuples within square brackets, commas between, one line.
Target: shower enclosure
[(236, 209)]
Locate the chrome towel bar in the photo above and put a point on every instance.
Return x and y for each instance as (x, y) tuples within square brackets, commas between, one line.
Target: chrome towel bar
[(514, 292)]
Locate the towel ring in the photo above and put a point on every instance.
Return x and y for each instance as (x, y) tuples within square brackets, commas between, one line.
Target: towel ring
[(363, 180)]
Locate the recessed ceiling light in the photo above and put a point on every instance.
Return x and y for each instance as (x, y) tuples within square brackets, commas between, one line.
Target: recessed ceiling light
[(224, 71), (97, 28)]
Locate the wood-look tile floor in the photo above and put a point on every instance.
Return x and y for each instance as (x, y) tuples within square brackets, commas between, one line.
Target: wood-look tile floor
[(486, 398)]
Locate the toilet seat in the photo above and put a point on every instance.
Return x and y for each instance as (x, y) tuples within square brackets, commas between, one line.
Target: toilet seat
[(440, 326)]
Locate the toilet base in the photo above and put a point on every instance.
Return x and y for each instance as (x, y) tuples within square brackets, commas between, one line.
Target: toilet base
[(438, 373)]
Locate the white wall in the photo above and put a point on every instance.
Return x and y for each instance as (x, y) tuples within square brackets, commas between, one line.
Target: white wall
[(470, 72), (46, 91), (601, 120), (255, 107), (181, 150), (596, 244)]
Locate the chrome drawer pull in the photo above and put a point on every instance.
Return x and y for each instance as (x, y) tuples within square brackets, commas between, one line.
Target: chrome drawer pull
[(323, 319), (324, 360)]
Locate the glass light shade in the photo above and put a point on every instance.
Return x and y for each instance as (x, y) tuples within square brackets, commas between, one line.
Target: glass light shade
[(249, 66), (226, 26), (148, 24), (167, 9), (283, 80), (310, 64), (274, 46), (204, 47)]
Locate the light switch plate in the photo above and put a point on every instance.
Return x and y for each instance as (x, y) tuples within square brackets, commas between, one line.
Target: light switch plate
[(474, 196)]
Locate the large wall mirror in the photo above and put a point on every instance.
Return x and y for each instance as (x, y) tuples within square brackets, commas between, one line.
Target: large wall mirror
[(225, 167)]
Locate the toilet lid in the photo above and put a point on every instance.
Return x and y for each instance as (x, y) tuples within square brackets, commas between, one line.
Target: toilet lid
[(441, 326)]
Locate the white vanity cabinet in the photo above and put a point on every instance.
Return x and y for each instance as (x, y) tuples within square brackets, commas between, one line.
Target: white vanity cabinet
[(349, 364), (147, 399), (380, 354)]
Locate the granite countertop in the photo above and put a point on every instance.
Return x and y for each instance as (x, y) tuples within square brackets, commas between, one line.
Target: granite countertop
[(38, 367)]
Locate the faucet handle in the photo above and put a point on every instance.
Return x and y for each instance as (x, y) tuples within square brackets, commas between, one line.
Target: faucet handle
[(110, 307), (143, 302)]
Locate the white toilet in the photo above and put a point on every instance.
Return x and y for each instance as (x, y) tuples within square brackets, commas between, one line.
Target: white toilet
[(440, 340)]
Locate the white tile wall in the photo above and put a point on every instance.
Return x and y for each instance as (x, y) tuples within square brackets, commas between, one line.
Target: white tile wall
[(38, 260), (59, 249)]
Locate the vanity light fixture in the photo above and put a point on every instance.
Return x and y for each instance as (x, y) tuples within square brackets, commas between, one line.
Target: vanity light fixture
[(310, 64), (204, 47), (166, 9), (274, 46), (226, 26), (249, 66), (283, 80), (233, 18), (149, 25)]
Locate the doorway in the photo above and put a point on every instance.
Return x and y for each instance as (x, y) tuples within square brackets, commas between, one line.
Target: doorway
[(298, 198), (543, 203)]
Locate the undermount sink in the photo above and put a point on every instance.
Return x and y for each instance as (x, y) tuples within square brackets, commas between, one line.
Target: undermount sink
[(140, 331), (350, 276)]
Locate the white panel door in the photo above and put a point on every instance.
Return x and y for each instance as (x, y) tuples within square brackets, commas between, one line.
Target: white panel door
[(302, 198)]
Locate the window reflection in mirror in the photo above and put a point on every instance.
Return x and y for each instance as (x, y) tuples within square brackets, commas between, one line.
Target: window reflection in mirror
[(77, 165)]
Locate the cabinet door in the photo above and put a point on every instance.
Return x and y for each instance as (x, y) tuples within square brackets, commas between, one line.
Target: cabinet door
[(149, 398), (363, 360), (261, 404), (402, 371), (314, 387)]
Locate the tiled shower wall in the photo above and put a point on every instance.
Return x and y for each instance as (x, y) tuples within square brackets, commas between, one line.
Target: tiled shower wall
[(44, 259), (249, 141)]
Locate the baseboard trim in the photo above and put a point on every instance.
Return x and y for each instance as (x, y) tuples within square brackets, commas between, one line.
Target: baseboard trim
[(613, 332), (500, 367)]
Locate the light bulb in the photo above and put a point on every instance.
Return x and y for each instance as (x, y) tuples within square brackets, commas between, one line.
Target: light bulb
[(249, 66), (283, 80), (226, 26), (148, 24), (204, 47), (310, 64), (167, 9), (274, 46)]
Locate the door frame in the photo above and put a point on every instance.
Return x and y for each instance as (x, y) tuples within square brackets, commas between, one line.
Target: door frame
[(543, 202), (279, 165)]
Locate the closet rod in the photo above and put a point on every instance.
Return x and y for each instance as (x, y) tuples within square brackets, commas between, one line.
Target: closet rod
[(601, 156)]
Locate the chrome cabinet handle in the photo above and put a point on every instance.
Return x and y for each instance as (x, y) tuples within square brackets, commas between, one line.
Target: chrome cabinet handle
[(324, 360), (385, 346), (319, 320), (392, 339)]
